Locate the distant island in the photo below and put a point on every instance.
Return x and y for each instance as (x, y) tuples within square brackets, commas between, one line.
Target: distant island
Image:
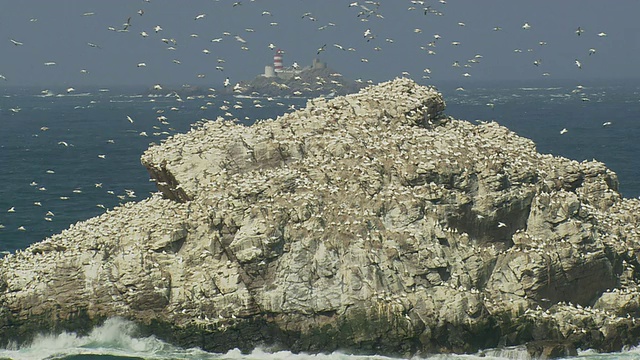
[(314, 80)]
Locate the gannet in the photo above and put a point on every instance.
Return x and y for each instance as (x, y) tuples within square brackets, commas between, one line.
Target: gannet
[(579, 31), (602, 34), (200, 16), (564, 131), (578, 64), (526, 26)]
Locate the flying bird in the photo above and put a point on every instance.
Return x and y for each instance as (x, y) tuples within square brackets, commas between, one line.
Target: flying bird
[(200, 16), (321, 49), (526, 26), (578, 64), (15, 42)]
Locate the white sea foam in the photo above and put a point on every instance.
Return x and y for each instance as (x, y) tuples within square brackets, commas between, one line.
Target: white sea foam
[(115, 337), (118, 337)]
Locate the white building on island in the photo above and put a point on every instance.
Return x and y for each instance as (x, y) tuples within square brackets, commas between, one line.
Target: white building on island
[(279, 71)]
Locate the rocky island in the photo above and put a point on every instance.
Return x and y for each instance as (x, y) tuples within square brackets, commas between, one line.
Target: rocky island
[(309, 81), (370, 223)]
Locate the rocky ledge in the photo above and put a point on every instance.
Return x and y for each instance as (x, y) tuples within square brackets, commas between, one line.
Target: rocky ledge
[(370, 223)]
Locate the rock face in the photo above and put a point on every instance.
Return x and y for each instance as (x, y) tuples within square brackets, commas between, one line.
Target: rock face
[(370, 223)]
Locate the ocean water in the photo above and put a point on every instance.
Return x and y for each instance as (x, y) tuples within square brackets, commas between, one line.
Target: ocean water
[(69, 157)]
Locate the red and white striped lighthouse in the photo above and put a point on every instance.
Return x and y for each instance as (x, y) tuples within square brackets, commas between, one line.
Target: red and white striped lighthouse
[(277, 60)]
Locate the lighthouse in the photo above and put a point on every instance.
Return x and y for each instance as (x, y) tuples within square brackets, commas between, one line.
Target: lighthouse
[(277, 60)]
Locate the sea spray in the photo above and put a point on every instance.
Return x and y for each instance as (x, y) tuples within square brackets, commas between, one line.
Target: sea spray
[(116, 336)]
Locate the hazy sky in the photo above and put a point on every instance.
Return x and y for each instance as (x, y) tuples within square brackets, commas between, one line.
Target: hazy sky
[(60, 31)]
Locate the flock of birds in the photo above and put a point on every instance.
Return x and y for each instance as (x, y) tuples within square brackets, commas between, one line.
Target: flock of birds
[(365, 12)]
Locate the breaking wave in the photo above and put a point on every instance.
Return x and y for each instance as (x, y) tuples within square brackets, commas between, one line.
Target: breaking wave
[(117, 339)]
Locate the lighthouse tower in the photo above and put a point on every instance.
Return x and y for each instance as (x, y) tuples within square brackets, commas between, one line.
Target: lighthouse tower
[(277, 60)]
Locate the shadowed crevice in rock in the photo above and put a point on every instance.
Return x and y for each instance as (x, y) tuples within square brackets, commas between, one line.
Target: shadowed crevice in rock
[(370, 222)]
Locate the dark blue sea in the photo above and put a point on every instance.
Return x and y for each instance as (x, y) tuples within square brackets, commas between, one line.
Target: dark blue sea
[(68, 157)]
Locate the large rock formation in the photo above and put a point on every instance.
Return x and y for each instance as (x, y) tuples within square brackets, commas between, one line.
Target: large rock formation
[(370, 222)]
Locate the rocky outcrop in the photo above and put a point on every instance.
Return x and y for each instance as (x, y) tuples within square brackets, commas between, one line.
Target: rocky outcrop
[(370, 223)]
